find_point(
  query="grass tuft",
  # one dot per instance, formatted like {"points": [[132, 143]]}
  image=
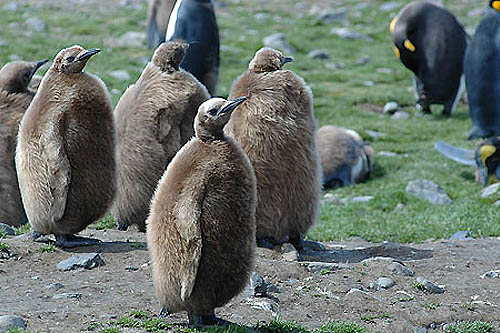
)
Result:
{"points": [[470, 327], [49, 248]]}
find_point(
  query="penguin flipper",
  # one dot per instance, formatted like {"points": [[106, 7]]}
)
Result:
{"points": [[462, 156]]}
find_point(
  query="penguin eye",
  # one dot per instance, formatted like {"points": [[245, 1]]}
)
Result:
{"points": [[212, 112], [70, 59]]}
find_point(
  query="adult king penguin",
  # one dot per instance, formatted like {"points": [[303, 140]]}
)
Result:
{"points": [[482, 75], [15, 98], [201, 230], [65, 152], [193, 21], [431, 43]]}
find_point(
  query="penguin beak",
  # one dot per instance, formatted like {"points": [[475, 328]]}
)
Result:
{"points": [[40, 64], [228, 108], [88, 54], [286, 60]]}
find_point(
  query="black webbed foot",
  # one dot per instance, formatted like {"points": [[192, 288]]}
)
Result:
{"points": [[69, 241], [206, 320]]}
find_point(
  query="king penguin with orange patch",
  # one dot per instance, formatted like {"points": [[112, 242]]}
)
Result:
{"points": [[431, 43], [482, 75]]}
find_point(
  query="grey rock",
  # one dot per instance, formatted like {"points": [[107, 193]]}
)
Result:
{"points": [[387, 153], [428, 190], [363, 60], [391, 107], [365, 198], [400, 115], [131, 268], [429, 286], [335, 66], [263, 305], [357, 295], [419, 330], [129, 39], [318, 54], [261, 16], [329, 16], [368, 83], [3, 42], [490, 190], [11, 6], [400, 269], [384, 70], [7, 229], [85, 260], [67, 296], [399, 206], [36, 24], [491, 274], [497, 203], [382, 283], [346, 33], [54, 286], [258, 286], [120, 74], [475, 12], [389, 6], [375, 134], [461, 235], [9, 322], [318, 267], [278, 41], [14, 57], [289, 253]]}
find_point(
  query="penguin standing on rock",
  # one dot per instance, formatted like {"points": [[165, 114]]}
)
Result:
{"points": [[276, 128], [15, 98], [65, 152], [482, 75], [193, 22], [345, 158], [431, 43], [153, 120], [201, 230]]}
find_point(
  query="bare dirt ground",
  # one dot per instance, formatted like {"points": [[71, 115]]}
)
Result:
{"points": [[310, 295]]}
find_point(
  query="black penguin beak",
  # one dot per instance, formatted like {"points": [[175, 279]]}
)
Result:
{"points": [[88, 54], [40, 64], [232, 105], [286, 60]]}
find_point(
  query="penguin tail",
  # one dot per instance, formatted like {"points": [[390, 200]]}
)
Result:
{"points": [[460, 155]]}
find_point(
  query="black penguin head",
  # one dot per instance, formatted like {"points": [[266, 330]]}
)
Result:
{"points": [[168, 56], [268, 60], [72, 59], [212, 116], [487, 159], [16, 75], [495, 4]]}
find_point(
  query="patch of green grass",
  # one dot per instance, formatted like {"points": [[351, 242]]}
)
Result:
{"points": [[325, 271], [470, 327], [468, 306], [3, 233], [370, 318], [138, 245], [280, 326], [419, 285], [23, 229], [430, 305], [110, 330], [107, 222], [49, 248], [405, 299], [93, 326], [4, 246], [341, 327]]}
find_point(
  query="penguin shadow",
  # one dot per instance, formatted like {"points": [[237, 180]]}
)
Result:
{"points": [[378, 171], [316, 252], [101, 247]]}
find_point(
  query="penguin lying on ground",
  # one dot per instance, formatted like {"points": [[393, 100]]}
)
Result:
{"points": [[201, 230], [276, 128], [193, 21], [65, 152], [15, 98], [153, 119], [486, 158], [482, 75], [345, 158], [431, 43]]}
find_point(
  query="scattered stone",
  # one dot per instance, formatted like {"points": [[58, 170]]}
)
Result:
{"points": [[497, 203], [7, 229], [329, 16], [261, 16], [368, 83], [371, 108], [491, 274], [400, 269], [11, 6], [335, 66], [400, 115], [263, 305], [363, 61], [490, 190], [382, 283], [419, 330], [346, 33], [429, 286], [54, 286], [36, 24], [318, 54], [120, 74], [375, 135], [383, 70], [331, 199], [129, 39], [131, 268], [14, 57], [387, 153], [3, 42], [357, 199], [428, 190], [289, 253], [258, 286], [319, 267], [391, 107], [278, 41], [67, 296], [85, 260], [399, 206], [115, 91], [461, 235], [356, 295], [389, 6], [9, 322], [475, 12]]}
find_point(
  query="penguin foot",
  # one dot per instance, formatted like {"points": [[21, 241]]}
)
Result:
{"points": [[206, 320], [34, 235], [266, 243], [69, 241], [313, 246], [121, 226], [163, 312], [297, 242]]}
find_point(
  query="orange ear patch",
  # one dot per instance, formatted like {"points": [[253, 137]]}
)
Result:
{"points": [[396, 51], [409, 45], [496, 5], [393, 23]]}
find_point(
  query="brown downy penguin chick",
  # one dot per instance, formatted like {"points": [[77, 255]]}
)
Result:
{"points": [[345, 158], [65, 151], [15, 98], [276, 128], [153, 120], [201, 230]]}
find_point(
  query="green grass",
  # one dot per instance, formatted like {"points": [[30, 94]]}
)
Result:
{"points": [[470, 327], [4, 246], [107, 222], [341, 327], [370, 318], [23, 229], [431, 305], [49, 248], [280, 326]]}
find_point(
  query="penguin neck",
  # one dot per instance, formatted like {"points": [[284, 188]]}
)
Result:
{"points": [[210, 136]]}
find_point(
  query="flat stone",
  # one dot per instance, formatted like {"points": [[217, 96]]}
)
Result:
{"points": [[461, 235], [54, 286], [329, 16], [475, 12], [368, 83], [491, 274], [389, 6], [400, 115], [258, 287], [318, 54], [387, 153], [419, 330], [346, 33], [9, 322], [11, 6], [36, 24], [7, 229], [3, 42], [363, 60], [375, 134], [356, 295], [335, 66], [391, 107], [261, 16], [371, 108], [67, 296], [365, 198], [278, 41], [497, 203], [399, 206], [383, 70], [490, 190], [85, 260], [429, 286], [289, 253], [129, 39], [120, 74], [428, 190], [263, 305], [318, 267], [382, 283], [400, 269]]}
